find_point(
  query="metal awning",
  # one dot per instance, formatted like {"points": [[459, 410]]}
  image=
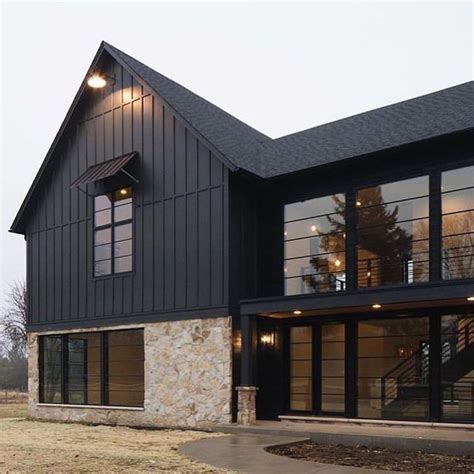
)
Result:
{"points": [[104, 170]]}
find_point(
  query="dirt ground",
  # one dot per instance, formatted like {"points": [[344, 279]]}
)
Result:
{"points": [[376, 458], [32, 446]]}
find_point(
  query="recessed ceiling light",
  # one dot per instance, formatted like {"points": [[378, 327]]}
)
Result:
{"points": [[96, 82], [376, 306], [123, 191], [297, 312], [470, 298]]}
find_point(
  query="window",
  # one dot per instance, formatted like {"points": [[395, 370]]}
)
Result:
{"points": [[457, 367], [113, 232], [393, 368], [333, 368], [100, 368], [458, 223], [315, 245], [51, 373], [126, 368], [393, 233], [301, 363]]}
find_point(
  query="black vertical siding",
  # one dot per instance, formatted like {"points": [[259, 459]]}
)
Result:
{"points": [[180, 214]]}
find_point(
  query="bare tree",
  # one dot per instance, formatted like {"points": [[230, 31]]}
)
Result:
{"points": [[14, 318]]}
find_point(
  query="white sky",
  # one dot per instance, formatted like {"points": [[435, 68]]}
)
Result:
{"points": [[280, 67]]}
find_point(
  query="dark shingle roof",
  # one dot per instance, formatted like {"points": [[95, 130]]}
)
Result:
{"points": [[431, 115], [243, 147], [236, 140], [439, 113]]}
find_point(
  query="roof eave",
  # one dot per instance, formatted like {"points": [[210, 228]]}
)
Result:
{"points": [[17, 226]]}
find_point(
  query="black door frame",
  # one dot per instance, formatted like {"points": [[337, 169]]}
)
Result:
{"points": [[351, 324]]}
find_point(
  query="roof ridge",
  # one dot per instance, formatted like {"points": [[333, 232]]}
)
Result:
{"points": [[383, 107]]}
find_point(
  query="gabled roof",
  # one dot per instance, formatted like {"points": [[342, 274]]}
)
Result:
{"points": [[439, 113], [242, 147], [234, 139]]}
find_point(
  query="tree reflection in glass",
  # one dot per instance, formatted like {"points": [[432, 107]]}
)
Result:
{"points": [[393, 233]]}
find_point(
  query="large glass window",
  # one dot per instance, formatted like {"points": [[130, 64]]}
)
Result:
{"points": [[393, 233], [393, 368], [458, 223], [301, 368], [104, 368], [51, 373], [457, 367], [333, 368], [315, 245], [113, 232], [126, 368], [84, 369]]}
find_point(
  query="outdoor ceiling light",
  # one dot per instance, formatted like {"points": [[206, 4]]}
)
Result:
{"points": [[337, 262], [297, 312], [96, 82], [376, 306], [470, 298], [123, 191]]}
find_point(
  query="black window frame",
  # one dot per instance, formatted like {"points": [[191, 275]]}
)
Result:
{"points": [[435, 216], [104, 368], [112, 226]]}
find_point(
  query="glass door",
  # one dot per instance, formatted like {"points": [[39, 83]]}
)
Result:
{"points": [[317, 369]]}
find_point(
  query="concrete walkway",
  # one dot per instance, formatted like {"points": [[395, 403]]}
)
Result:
{"points": [[431, 440], [245, 453]]}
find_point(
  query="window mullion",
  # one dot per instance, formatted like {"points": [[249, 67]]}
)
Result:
{"points": [[65, 369]]}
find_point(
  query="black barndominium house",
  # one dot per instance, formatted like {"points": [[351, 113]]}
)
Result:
{"points": [[184, 269]]}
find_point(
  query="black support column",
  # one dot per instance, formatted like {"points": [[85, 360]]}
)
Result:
{"points": [[249, 350]]}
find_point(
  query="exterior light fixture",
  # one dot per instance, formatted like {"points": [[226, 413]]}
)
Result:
{"points": [[376, 306], [337, 262], [267, 339], [297, 312], [123, 191], [358, 203], [470, 298], [313, 228], [96, 82]]}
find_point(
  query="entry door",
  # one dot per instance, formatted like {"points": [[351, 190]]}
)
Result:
{"points": [[317, 369]]}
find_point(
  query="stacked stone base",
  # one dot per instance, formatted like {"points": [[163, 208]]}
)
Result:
{"points": [[188, 378]]}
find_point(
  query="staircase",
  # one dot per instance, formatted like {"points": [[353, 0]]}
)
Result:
{"points": [[407, 384]]}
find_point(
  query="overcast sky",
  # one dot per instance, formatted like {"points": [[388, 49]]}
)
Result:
{"points": [[280, 67]]}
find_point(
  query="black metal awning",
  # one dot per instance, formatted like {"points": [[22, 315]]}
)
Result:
{"points": [[104, 170]]}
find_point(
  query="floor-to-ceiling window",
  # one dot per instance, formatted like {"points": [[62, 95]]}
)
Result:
{"points": [[393, 368], [301, 368], [393, 233], [458, 223], [333, 368], [457, 367], [315, 244]]}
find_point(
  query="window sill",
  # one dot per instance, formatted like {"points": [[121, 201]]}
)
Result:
{"points": [[100, 407]]}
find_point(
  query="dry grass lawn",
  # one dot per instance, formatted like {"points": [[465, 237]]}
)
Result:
{"points": [[33, 446], [13, 410]]}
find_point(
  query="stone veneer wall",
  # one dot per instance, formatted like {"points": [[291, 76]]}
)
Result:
{"points": [[188, 378]]}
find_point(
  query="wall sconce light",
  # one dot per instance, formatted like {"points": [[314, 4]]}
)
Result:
{"points": [[267, 339], [97, 81]]}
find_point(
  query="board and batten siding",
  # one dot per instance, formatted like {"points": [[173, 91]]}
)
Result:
{"points": [[180, 216]]}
